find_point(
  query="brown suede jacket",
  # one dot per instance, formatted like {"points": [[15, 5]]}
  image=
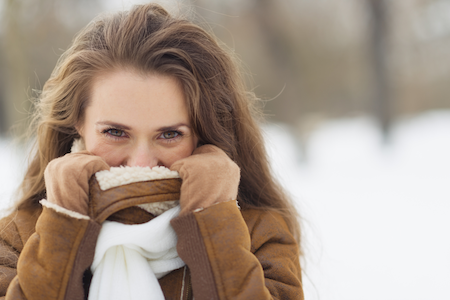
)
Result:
{"points": [[46, 253]]}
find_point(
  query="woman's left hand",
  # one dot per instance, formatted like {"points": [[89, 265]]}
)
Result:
{"points": [[209, 176]]}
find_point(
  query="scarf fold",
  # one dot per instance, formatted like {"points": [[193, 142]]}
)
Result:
{"points": [[129, 259]]}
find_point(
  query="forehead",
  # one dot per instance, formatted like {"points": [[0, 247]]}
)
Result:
{"points": [[133, 97]]}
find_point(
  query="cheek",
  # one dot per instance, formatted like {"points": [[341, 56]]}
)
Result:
{"points": [[111, 154], [172, 155]]}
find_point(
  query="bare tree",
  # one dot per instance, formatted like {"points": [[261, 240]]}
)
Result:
{"points": [[33, 35], [16, 65], [382, 96]]}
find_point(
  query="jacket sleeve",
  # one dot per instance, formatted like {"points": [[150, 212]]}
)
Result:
{"points": [[45, 268], [15, 230], [8, 265], [233, 258]]}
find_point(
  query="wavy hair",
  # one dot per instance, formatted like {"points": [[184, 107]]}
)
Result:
{"points": [[147, 39]]}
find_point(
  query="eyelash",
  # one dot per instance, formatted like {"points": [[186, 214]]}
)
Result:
{"points": [[107, 132], [178, 134]]}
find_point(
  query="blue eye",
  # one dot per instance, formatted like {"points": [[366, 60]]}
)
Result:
{"points": [[170, 134], [116, 132]]}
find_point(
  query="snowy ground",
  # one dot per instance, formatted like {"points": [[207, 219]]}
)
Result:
{"points": [[376, 219], [11, 171]]}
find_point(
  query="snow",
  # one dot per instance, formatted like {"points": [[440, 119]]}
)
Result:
{"points": [[11, 171], [375, 218]]}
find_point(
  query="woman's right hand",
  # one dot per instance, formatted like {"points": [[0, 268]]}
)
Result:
{"points": [[67, 179], [209, 177]]}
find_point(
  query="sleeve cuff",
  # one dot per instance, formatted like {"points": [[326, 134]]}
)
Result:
{"points": [[62, 210]]}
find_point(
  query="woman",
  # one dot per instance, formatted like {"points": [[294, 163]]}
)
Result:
{"points": [[145, 89]]}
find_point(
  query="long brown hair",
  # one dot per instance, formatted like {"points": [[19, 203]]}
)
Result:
{"points": [[147, 39]]}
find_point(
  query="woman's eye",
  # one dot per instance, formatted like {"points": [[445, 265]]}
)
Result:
{"points": [[116, 132], [169, 134]]}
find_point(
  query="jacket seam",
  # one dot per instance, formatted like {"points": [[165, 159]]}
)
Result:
{"points": [[70, 264], [18, 233], [128, 199], [211, 259]]}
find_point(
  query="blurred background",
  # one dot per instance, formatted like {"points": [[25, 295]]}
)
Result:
{"points": [[356, 98]]}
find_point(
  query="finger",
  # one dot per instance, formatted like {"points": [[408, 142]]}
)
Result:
{"points": [[176, 166]]}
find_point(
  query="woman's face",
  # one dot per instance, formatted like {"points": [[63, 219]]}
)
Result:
{"points": [[137, 120]]}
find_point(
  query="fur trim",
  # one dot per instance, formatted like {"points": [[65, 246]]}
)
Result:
{"points": [[78, 145], [117, 176], [62, 210], [158, 208]]}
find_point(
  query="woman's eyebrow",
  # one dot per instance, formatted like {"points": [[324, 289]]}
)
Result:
{"points": [[172, 127], [113, 124]]}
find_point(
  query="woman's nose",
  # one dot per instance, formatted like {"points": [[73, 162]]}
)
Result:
{"points": [[143, 156]]}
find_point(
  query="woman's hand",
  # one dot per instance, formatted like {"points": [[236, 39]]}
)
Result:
{"points": [[209, 176], [67, 179]]}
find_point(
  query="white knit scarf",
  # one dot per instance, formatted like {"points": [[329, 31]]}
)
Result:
{"points": [[129, 259]]}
